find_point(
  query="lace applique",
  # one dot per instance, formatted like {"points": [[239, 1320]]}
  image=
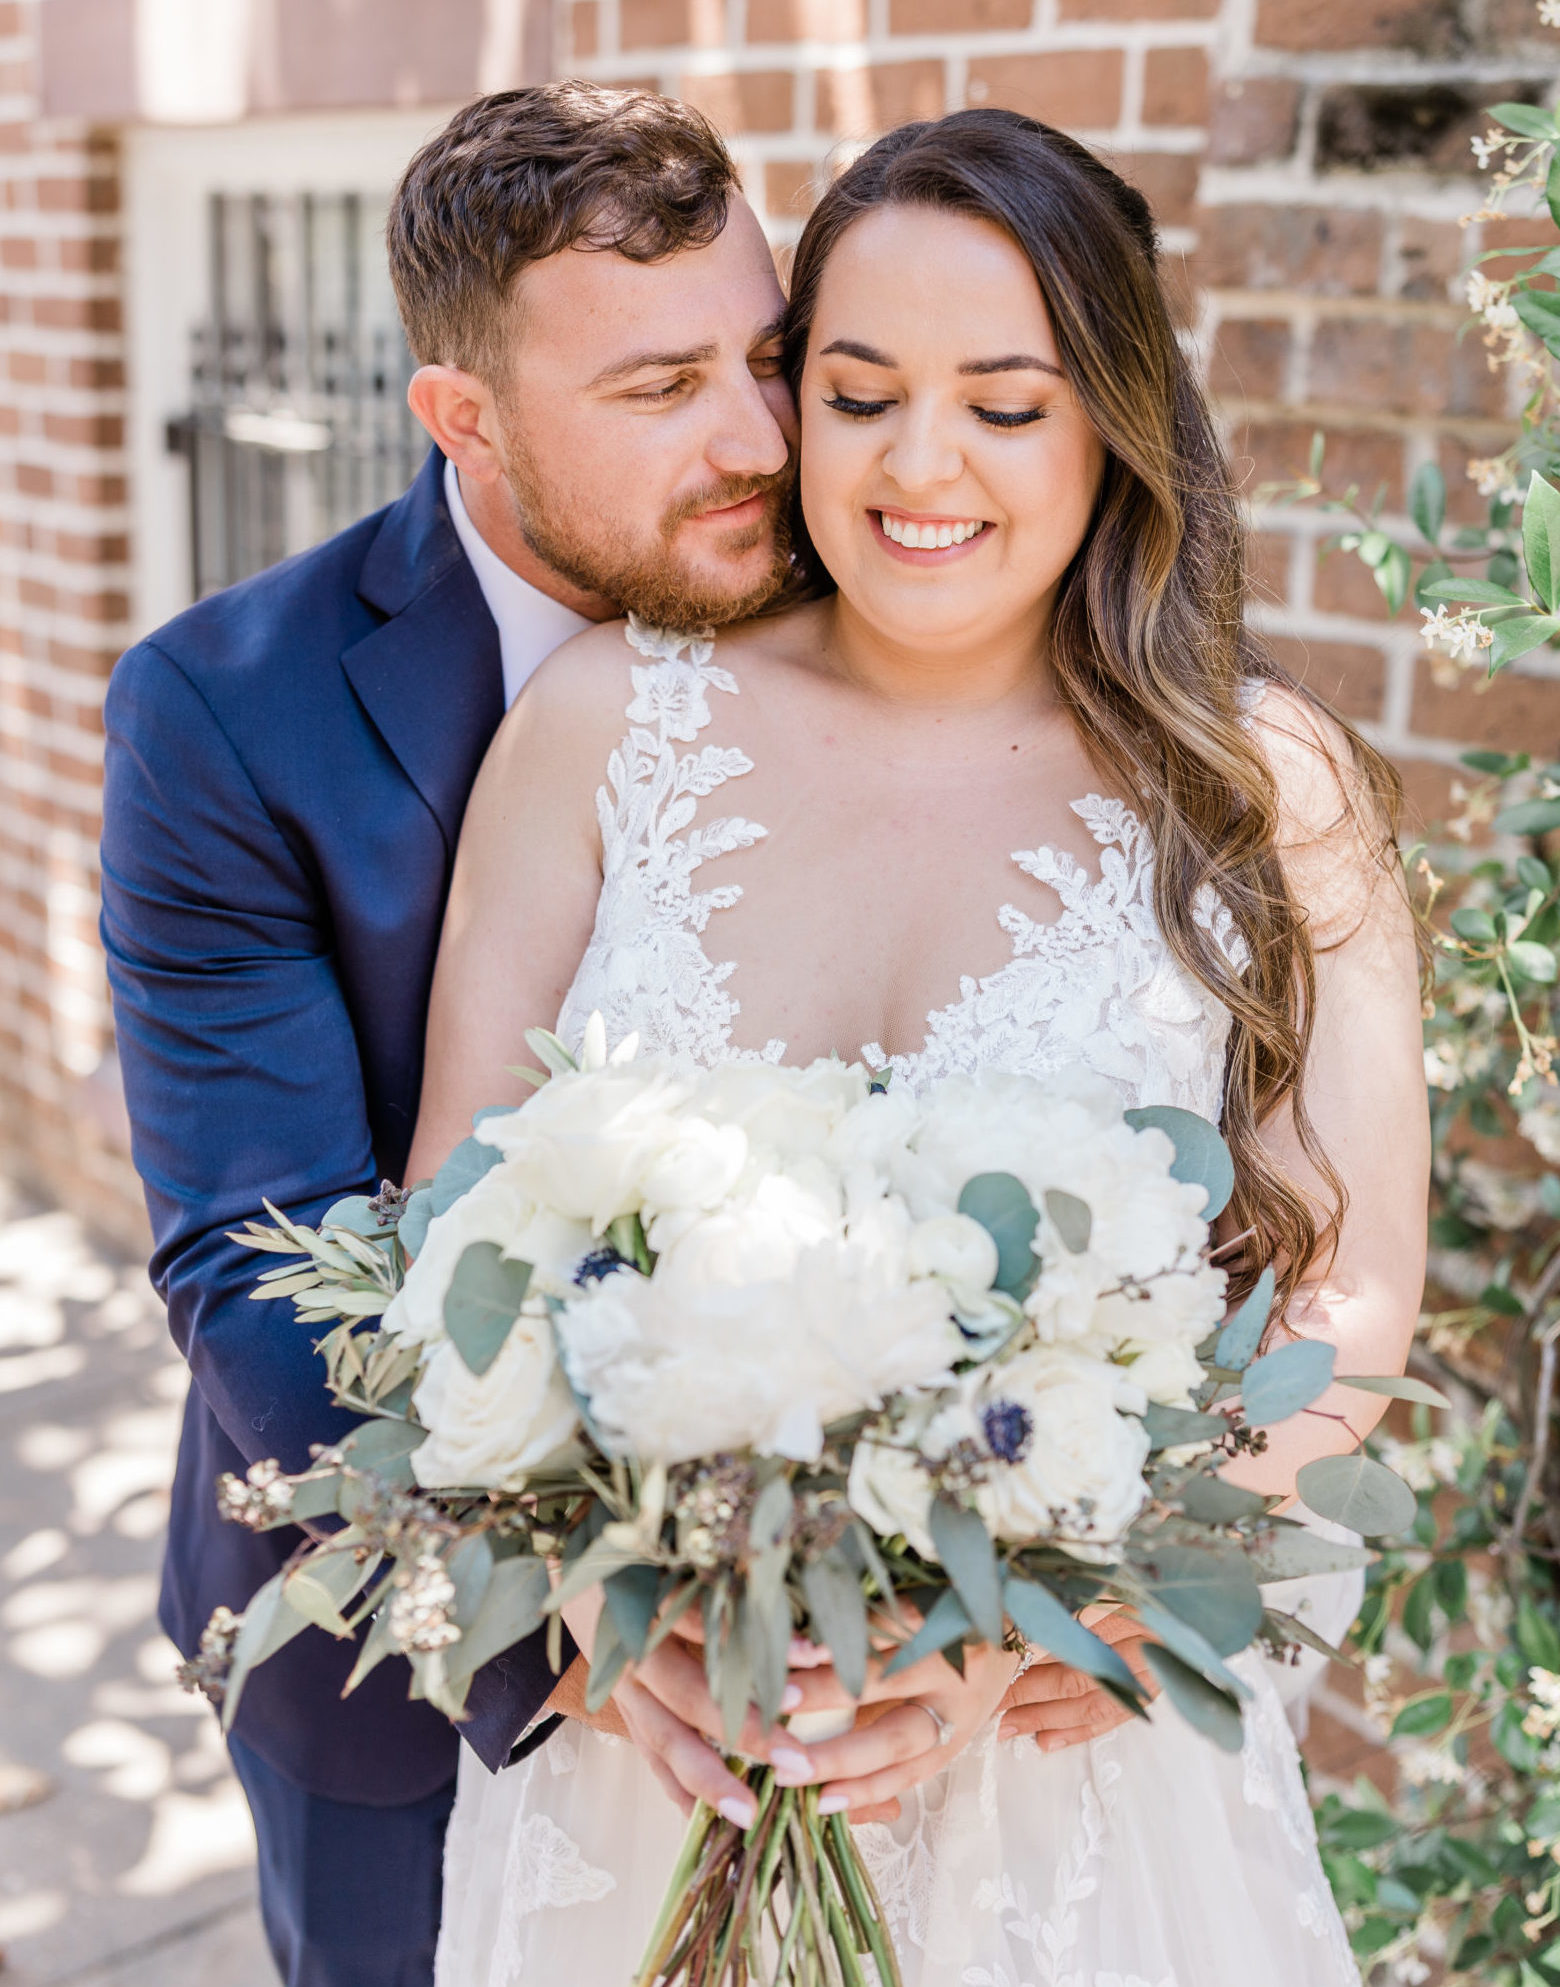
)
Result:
{"points": [[645, 968], [1097, 985], [544, 1868], [903, 1872]]}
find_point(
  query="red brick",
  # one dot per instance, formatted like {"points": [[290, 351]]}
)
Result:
{"points": [[957, 16], [585, 29], [806, 20], [13, 17], [1427, 27], [1253, 121], [18, 252], [105, 374], [77, 313], [788, 189], [1516, 714], [665, 23], [1139, 10], [85, 430], [754, 100], [1278, 452], [859, 103], [1408, 368], [1433, 255], [98, 255], [1175, 86], [1331, 251], [1427, 797], [1343, 586], [1169, 182], [86, 195], [1072, 87], [1250, 358], [1347, 675], [32, 480], [1464, 505]]}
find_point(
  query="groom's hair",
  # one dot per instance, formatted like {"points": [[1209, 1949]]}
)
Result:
{"points": [[516, 177]]}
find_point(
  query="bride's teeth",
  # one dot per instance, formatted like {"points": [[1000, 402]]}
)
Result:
{"points": [[944, 534], [928, 537]]}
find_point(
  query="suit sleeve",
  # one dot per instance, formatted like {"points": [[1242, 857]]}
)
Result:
{"points": [[240, 1065]]}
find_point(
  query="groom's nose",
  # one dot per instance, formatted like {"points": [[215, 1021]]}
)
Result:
{"points": [[753, 426]]}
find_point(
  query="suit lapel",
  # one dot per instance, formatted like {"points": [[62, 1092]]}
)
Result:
{"points": [[431, 679]]}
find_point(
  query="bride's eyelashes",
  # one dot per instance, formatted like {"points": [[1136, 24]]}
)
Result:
{"points": [[993, 417]]}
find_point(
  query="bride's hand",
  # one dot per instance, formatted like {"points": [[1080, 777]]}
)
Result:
{"points": [[672, 1719], [1061, 1707], [925, 1717]]}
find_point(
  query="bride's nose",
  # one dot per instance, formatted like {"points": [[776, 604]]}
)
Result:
{"points": [[921, 454]]}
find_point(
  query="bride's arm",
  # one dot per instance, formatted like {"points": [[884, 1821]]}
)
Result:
{"points": [[523, 895], [1364, 1089]]}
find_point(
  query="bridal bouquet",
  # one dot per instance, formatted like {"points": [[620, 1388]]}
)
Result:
{"points": [[812, 1357]]}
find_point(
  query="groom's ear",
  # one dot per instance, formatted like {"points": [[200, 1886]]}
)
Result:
{"points": [[458, 411]]}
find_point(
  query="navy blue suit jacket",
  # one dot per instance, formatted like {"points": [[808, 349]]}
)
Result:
{"points": [[287, 767]]}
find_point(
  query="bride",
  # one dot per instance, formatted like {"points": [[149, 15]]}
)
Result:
{"points": [[1006, 784]]}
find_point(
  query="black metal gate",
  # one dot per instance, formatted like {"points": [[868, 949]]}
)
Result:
{"points": [[298, 423]]}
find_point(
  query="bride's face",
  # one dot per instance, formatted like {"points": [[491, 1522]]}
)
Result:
{"points": [[948, 474]]}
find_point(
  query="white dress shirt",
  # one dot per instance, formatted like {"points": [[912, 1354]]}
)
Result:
{"points": [[530, 624]]}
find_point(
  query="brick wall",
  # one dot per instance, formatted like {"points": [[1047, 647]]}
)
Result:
{"points": [[64, 549], [1309, 163]]}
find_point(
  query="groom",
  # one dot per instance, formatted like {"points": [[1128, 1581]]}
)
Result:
{"points": [[595, 312]]}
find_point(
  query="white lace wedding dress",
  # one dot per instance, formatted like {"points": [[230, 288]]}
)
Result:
{"points": [[1145, 1859]]}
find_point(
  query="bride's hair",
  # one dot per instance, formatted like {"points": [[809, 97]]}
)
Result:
{"points": [[1149, 647]]}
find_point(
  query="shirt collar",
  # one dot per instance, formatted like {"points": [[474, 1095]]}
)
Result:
{"points": [[531, 624]]}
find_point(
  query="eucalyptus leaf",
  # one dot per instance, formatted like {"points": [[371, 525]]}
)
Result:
{"points": [[1285, 1381], [1396, 1387], [1283, 1627], [1194, 1649], [320, 1588], [838, 1614], [1358, 1492], [1291, 1552], [735, 1687], [547, 1049], [608, 1660], [1242, 1335], [470, 1568], [511, 1611], [1209, 1586], [1210, 1500], [964, 1547], [270, 1622], [415, 1216], [1205, 1707], [467, 1164], [1200, 1154], [483, 1302], [1002, 1206], [771, 1514], [381, 1444], [1169, 1427], [764, 1622], [946, 1621], [1072, 1218], [631, 1594], [1043, 1620], [315, 1497], [377, 1644], [598, 1562], [356, 1214]]}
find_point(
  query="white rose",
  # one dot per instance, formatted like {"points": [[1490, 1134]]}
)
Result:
{"points": [[697, 1168], [1077, 1469], [787, 1113], [489, 1430], [955, 1249], [1168, 1371], [891, 1489], [497, 1210], [586, 1141]]}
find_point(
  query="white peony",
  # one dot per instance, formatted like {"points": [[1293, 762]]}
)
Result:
{"points": [[1077, 1476], [891, 1488], [1168, 1371], [787, 1113], [587, 1141], [488, 1431], [956, 1250], [684, 1365]]}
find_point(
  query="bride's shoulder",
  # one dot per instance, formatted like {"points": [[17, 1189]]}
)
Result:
{"points": [[570, 713]]}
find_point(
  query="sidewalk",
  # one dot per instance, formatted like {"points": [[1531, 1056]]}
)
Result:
{"points": [[135, 1867]]}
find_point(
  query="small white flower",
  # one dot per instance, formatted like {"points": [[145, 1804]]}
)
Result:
{"points": [[1457, 635]]}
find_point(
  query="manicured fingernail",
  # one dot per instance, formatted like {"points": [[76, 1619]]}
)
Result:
{"points": [[1050, 1742], [833, 1804], [791, 1700], [792, 1768], [739, 1813]]}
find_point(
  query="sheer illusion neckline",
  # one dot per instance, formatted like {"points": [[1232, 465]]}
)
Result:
{"points": [[648, 956]]}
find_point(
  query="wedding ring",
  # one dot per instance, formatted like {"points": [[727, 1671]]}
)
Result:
{"points": [[941, 1723]]}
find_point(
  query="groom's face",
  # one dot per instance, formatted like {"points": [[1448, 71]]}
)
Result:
{"points": [[648, 434]]}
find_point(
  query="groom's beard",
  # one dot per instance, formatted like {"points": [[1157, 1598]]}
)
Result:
{"points": [[653, 580]]}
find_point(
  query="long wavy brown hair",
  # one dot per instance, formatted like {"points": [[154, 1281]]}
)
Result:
{"points": [[1150, 651]]}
